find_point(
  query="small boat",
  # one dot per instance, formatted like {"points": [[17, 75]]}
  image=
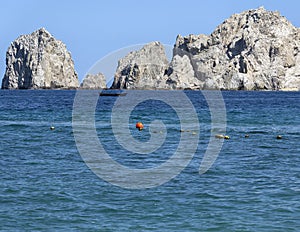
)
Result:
{"points": [[112, 92]]}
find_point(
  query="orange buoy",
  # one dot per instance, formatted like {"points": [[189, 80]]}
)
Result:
{"points": [[139, 125]]}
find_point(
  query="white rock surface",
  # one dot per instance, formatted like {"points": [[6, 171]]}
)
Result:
{"points": [[94, 81], [142, 69], [254, 50], [39, 61]]}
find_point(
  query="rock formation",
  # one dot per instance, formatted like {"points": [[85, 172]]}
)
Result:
{"points": [[142, 69], [92, 81], [39, 61], [253, 50]]}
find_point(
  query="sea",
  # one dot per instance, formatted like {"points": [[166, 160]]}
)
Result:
{"points": [[109, 176]]}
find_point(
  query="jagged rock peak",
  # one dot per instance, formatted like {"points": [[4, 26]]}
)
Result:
{"points": [[39, 61], [253, 50], [256, 49], [267, 23], [141, 69], [94, 81]]}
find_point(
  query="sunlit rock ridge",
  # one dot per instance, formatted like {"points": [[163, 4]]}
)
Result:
{"points": [[39, 61], [142, 69], [93, 81], [254, 50]]}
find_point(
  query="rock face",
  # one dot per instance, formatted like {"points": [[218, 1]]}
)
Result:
{"points": [[253, 50], [39, 61], [92, 81], [142, 69]]}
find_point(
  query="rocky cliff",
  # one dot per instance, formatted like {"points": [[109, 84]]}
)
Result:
{"points": [[94, 81], [142, 69], [254, 50], [39, 61]]}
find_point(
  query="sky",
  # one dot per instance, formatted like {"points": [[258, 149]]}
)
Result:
{"points": [[93, 29]]}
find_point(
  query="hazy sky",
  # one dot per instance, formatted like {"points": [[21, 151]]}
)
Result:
{"points": [[92, 29]]}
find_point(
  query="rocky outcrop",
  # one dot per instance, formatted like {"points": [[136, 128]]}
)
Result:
{"points": [[142, 69], [253, 50], [94, 81], [38, 61], [180, 74]]}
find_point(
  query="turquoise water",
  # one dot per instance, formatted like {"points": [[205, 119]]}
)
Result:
{"points": [[254, 185]]}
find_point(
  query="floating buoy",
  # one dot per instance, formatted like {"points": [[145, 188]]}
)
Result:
{"points": [[219, 136], [139, 125], [52, 127], [278, 137]]}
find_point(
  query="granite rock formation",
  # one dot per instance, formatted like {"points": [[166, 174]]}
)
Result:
{"points": [[254, 50], [39, 61], [142, 69], [94, 81]]}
